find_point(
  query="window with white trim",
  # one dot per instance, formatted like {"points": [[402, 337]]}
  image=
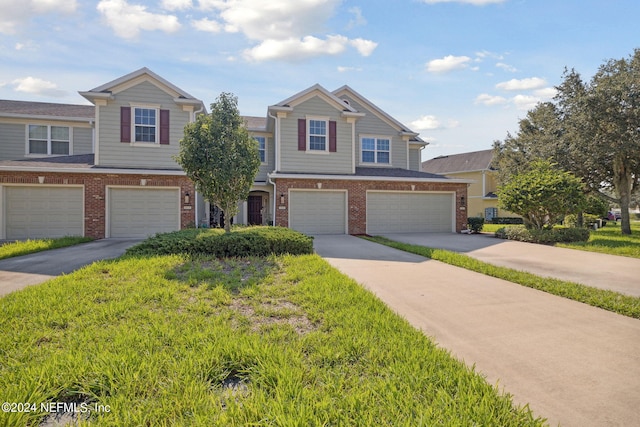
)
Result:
{"points": [[262, 148], [49, 140], [317, 135], [145, 125], [375, 150]]}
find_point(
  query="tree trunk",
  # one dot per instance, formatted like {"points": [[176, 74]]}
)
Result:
{"points": [[622, 183]]}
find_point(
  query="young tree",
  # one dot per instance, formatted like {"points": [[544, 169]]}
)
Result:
{"points": [[219, 156], [543, 195]]}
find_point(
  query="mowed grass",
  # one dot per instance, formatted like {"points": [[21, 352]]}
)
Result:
{"points": [[608, 300], [279, 341], [12, 249], [609, 240]]}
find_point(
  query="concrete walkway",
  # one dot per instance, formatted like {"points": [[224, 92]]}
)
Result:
{"points": [[616, 273], [19, 272], [574, 364]]}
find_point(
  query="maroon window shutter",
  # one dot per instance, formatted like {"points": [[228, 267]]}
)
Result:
{"points": [[302, 135], [164, 127], [333, 139], [125, 124]]}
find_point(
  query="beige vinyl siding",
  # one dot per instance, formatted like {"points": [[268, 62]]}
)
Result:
{"points": [[293, 160], [414, 159], [114, 153], [82, 140], [372, 125], [12, 141]]}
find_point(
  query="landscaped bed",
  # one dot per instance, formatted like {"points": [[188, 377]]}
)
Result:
{"points": [[196, 340]]}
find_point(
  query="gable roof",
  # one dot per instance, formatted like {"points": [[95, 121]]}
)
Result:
{"points": [[316, 89], [107, 90], [464, 162], [46, 110], [378, 112]]}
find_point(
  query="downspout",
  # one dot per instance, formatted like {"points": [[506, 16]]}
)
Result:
{"points": [[276, 142]]}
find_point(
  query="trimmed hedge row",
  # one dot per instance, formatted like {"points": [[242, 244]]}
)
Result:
{"points": [[555, 235], [241, 242], [506, 220]]}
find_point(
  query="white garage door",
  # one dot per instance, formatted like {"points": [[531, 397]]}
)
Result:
{"points": [[33, 212], [318, 212], [395, 212], [142, 212]]}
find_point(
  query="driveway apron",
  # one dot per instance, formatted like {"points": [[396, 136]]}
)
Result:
{"points": [[19, 272], [572, 363], [616, 273]]}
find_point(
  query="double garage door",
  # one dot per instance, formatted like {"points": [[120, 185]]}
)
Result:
{"points": [[44, 211], [325, 212]]}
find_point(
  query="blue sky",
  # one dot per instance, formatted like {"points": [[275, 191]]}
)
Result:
{"points": [[460, 72]]}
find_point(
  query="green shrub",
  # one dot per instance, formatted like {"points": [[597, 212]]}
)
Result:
{"points": [[555, 235], [587, 220], [506, 220], [475, 224], [241, 242]]}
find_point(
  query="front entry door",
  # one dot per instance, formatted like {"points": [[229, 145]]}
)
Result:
{"points": [[254, 206]]}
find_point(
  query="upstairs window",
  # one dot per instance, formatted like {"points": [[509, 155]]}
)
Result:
{"points": [[318, 135], [262, 148], [375, 150], [145, 125], [49, 140]]}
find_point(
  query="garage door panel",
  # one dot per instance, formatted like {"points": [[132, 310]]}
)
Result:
{"points": [[35, 212], [389, 212], [139, 213], [318, 212]]}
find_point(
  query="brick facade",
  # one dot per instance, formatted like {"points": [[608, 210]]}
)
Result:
{"points": [[357, 197], [95, 192]]}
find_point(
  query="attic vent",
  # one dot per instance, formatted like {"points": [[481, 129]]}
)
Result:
{"points": [[346, 101]]}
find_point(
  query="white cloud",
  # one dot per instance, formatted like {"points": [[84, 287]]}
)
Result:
{"points": [[448, 63], [37, 86], [523, 84], [473, 2], [206, 25], [342, 69], [15, 13], [358, 19], [525, 102], [546, 93], [506, 67], [176, 4], [284, 29], [428, 122], [487, 99], [127, 20]]}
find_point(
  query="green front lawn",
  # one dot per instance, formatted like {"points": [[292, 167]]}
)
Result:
{"points": [[8, 250], [288, 340], [609, 240]]}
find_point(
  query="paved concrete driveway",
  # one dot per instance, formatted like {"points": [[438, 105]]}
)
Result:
{"points": [[574, 364], [18, 272], [617, 273]]}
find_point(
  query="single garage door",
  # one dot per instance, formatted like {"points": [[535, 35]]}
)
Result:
{"points": [[396, 212], [142, 212], [318, 212], [34, 212]]}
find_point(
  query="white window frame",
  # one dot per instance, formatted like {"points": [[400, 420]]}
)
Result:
{"points": [[326, 135], [375, 149], [156, 127], [49, 140], [263, 150]]}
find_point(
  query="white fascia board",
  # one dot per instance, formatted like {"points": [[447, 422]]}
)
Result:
{"points": [[92, 96], [95, 171], [370, 178], [56, 118]]}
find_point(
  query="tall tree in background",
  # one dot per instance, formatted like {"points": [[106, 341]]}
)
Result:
{"points": [[592, 130], [220, 157]]}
